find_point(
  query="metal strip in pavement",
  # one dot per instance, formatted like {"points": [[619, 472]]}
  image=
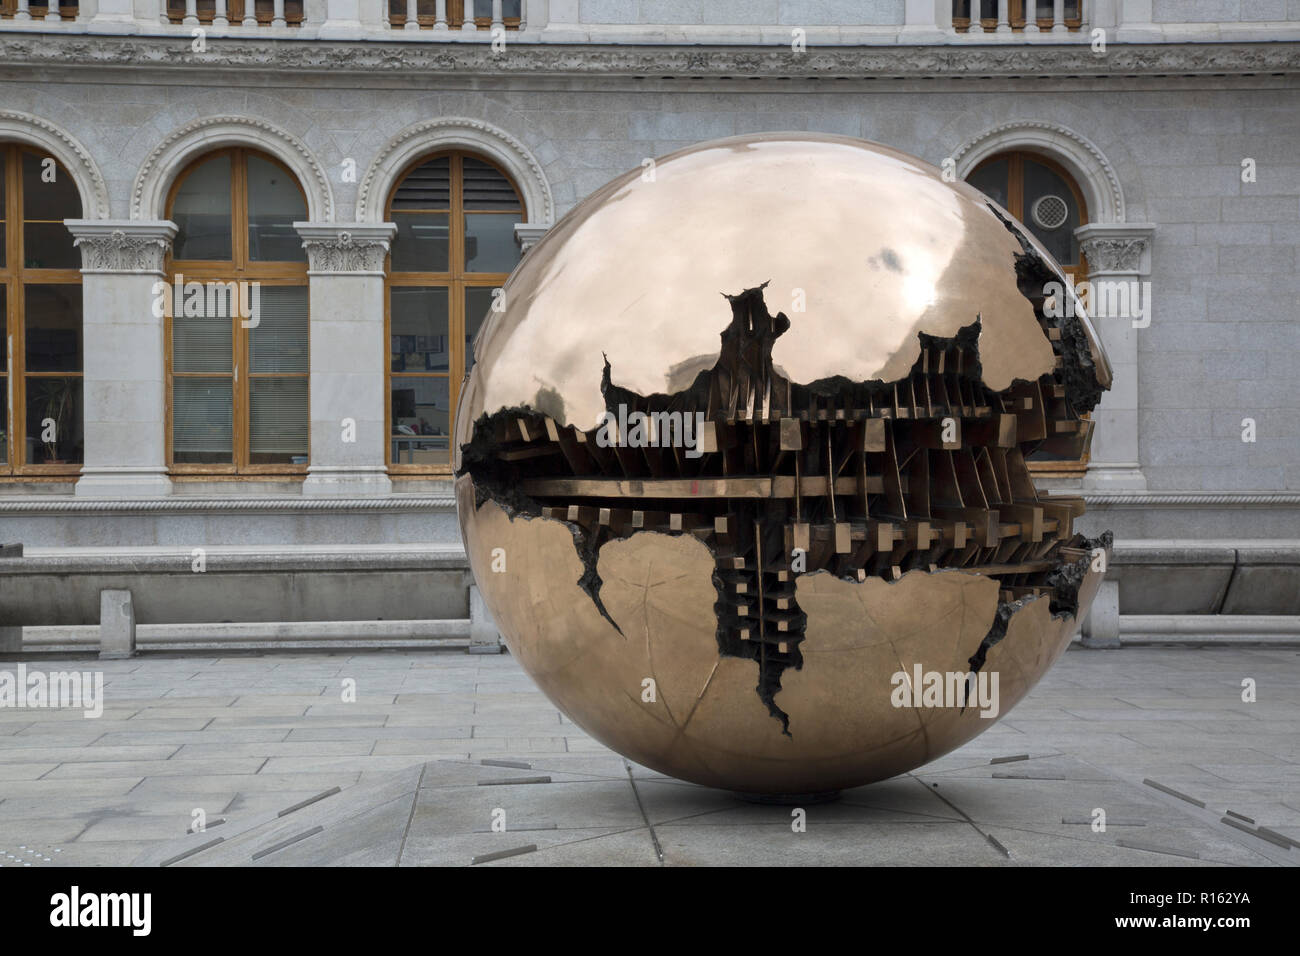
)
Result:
{"points": [[1255, 833], [1174, 793], [1087, 821], [1280, 836], [1154, 848], [308, 802], [191, 851], [289, 842], [654, 837], [1028, 776], [502, 854]]}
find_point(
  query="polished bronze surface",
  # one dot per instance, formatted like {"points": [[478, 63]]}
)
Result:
{"points": [[732, 538]]}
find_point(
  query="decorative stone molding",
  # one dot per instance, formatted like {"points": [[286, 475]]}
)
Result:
{"points": [[1114, 255], [169, 157], [63, 146], [1185, 499], [460, 133], [528, 234], [1117, 248], [121, 245], [963, 58], [1094, 172], [352, 248]]}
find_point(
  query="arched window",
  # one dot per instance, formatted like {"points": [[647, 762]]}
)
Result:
{"points": [[40, 299], [1044, 197], [455, 243], [237, 326]]}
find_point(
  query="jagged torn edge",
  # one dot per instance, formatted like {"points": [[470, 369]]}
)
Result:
{"points": [[1031, 268], [1065, 582]]}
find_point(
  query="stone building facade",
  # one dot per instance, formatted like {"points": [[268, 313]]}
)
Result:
{"points": [[1174, 123]]}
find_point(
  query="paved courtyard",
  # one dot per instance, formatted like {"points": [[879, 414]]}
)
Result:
{"points": [[438, 745]]}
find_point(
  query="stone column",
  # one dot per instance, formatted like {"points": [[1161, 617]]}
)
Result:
{"points": [[124, 348], [348, 352], [1031, 17], [1058, 17], [1119, 260]]}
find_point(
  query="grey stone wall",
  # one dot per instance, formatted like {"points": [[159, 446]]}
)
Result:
{"points": [[1224, 342], [1223, 11]]}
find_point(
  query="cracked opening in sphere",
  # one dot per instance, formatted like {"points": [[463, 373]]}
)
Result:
{"points": [[856, 479]]}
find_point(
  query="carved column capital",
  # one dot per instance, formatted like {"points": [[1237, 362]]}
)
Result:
{"points": [[122, 246], [1116, 248], [346, 248]]}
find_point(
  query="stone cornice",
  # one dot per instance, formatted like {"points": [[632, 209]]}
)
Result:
{"points": [[525, 59], [121, 246]]}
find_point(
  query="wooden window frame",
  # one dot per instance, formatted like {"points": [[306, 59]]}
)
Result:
{"points": [[15, 276], [9, 8], [455, 281], [237, 268], [1077, 271]]}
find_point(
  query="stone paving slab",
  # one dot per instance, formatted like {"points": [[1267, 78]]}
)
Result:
{"points": [[244, 737]]}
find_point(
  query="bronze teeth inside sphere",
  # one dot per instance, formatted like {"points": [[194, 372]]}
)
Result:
{"points": [[741, 465]]}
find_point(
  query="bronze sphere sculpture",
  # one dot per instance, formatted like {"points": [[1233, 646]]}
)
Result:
{"points": [[741, 463]]}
